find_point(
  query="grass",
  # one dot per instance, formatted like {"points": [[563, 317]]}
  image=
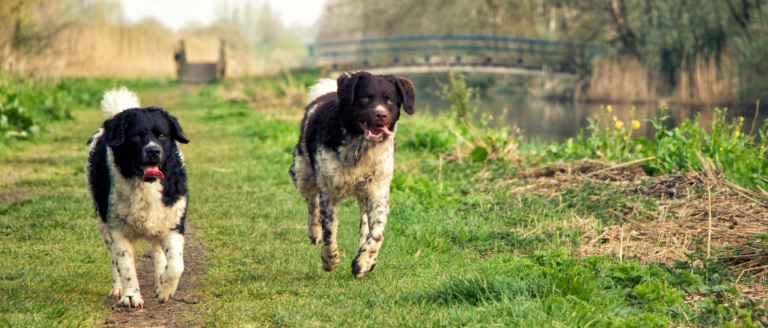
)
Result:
{"points": [[458, 251]]}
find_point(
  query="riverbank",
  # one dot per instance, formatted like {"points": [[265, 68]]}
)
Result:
{"points": [[471, 239]]}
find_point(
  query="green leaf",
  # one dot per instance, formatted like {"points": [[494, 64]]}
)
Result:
{"points": [[478, 154]]}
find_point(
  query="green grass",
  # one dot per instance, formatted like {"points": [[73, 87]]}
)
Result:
{"points": [[457, 251]]}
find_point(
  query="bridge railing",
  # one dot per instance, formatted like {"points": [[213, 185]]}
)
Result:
{"points": [[467, 44]]}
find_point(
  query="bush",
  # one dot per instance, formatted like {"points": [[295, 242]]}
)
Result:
{"points": [[674, 149], [28, 105]]}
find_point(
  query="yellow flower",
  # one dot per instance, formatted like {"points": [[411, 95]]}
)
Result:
{"points": [[762, 147], [490, 117], [619, 124], [635, 124], [741, 119], [721, 148], [607, 128], [614, 118], [625, 138], [609, 109], [736, 133]]}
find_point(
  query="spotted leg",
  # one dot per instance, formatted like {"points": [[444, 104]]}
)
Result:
{"points": [[122, 250], [362, 202], [377, 208], [117, 286], [329, 214], [314, 224], [173, 245], [158, 256]]}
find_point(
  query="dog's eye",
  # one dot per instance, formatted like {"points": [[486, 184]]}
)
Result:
{"points": [[366, 99], [136, 137], [389, 102], [161, 137]]}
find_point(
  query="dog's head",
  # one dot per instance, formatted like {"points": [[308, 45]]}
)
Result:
{"points": [[141, 140], [371, 103]]}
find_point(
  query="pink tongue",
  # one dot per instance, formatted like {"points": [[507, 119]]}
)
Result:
{"points": [[380, 129], [152, 171]]}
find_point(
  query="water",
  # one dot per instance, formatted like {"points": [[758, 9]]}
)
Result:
{"points": [[550, 120]]}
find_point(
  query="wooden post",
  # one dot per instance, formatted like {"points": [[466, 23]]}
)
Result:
{"points": [[181, 59], [221, 66]]}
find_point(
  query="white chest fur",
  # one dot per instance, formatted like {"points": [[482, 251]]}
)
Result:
{"points": [[357, 166], [137, 208]]}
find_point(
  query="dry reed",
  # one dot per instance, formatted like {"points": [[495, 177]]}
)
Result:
{"points": [[625, 79], [127, 51], [682, 216]]}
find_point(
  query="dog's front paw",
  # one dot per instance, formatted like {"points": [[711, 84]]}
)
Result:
{"points": [[166, 290], [116, 291], [363, 264], [330, 260], [315, 234], [131, 300]]}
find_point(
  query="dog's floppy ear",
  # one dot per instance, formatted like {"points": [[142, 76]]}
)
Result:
{"points": [[346, 87], [177, 133], [405, 89], [113, 129]]}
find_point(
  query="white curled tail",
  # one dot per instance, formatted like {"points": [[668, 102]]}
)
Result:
{"points": [[118, 100], [322, 87]]}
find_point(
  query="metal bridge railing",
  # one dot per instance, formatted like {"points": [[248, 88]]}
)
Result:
{"points": [[453, 42]]}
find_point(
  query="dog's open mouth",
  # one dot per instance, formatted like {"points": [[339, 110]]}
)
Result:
{"points": [[151, 171], [374, 132]]}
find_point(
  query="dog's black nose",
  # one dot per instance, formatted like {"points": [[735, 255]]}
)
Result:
{"points": [[381, 116], [153, 151]]}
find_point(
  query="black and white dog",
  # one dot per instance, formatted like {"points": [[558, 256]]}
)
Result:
{"points": [[136, 176], [347, 148]]}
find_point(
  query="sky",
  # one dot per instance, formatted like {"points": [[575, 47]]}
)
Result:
{"points": [[177, 13]]}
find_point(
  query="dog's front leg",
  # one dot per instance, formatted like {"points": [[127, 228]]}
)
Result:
{"points": [[117, 284], [329, 214], [362, 202], [378, 208], [122, 250], [314, 224], [173, 245]]}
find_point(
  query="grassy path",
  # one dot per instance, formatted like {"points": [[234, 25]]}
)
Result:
{"points": [[458, 251]]}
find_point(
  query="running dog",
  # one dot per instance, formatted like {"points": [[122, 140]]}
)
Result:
{"points": [[347, 149]]}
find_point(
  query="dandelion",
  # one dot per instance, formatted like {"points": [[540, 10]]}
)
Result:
{"points": [[721, 148], [737, 133], [625, 138], [490, 117], [619, 124], [607, 128], [614, 118], [762, 147], [635, 124], [741, 119], [609, 110]]}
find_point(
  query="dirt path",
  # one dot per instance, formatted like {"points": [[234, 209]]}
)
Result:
{"points": [[177, 312]]}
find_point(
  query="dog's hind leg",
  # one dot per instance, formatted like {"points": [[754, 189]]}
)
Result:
{"points": [[122, 250], [378, 208], [314, 224], [329, 213], [117, 286], [158, 256], [173, 245]]}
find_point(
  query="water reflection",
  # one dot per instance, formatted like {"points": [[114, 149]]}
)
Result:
{"points": [[547, 120]]}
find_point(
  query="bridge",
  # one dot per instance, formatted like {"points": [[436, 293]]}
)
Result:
{"points": [[471, 53]]}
